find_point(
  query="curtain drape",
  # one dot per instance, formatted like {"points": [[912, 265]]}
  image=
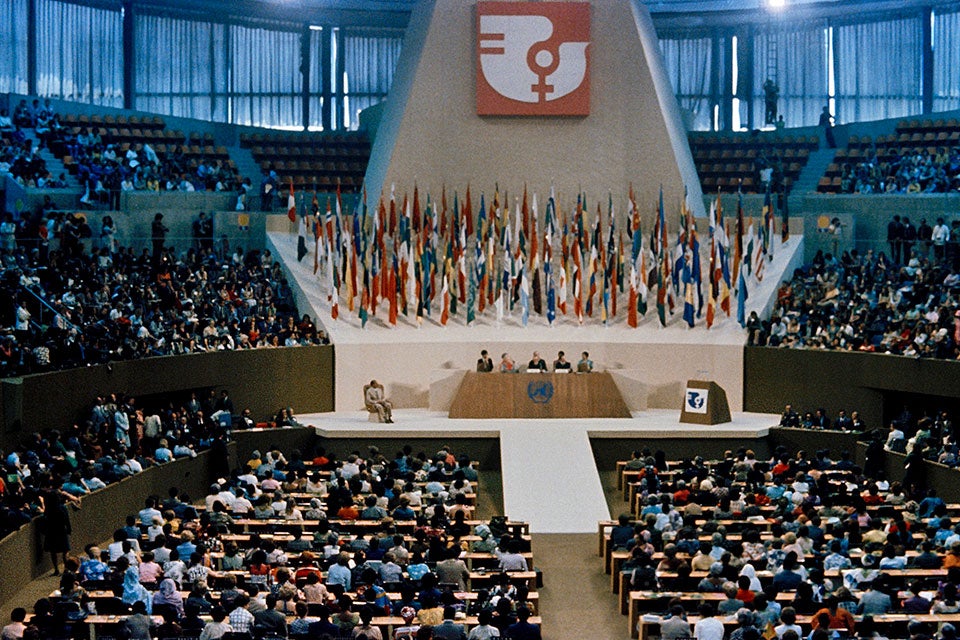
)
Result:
{"points": [[799, 58], [13, 46], [180, 68], [265, 77], [79, 53], [946, 62], [688, 62], [878, 69], [369, 63]]}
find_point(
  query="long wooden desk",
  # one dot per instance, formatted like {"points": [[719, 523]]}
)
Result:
{"points": [[538, 395]]}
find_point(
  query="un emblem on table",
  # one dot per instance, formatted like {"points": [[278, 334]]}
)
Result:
{"points": [[540, 391]]}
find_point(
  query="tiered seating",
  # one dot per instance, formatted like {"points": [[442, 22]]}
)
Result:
{"points": [[727, 161], [644, 606], [250, 534], [911, 137], [312, 160], [126, 132]]}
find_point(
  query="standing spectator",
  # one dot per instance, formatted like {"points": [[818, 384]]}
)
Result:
{"points": [[158, 233], [771, 93], [894, 237], [826, 121], [56, 529], [909, 238], [925, 238], [940, 236]]}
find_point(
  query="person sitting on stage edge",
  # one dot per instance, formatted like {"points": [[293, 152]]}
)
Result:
{"points": [[507, 365], [561, 363], [586, 364], [375, 400], [485, 363], [537, 363]]}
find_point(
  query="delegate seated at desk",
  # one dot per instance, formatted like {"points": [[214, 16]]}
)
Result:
{"points": [[507, 365], [485, 363], [561, 363], [586, 364], [537, 363]]}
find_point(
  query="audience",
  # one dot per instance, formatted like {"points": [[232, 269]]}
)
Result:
{"points": [[119, 305]]}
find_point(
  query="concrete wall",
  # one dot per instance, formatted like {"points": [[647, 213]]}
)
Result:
{"points": [[634, 132], [262, 379], [102, 512], [839, 380], [648, 375]]}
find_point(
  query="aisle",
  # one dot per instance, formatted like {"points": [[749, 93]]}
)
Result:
{"points": [[575, 599], [549, 476]]}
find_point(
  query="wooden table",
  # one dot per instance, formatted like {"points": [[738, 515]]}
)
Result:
{"points": [[538, 395]]}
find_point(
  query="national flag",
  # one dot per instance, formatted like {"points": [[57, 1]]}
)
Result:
{"points": [[742, 297], [392, 225], [317, 232], [766, 226], [535, 285], [292, 204], [738, 241], [364, 297], [749, 249], [663, 271], [689, 304], [479, 284], [302, 239], [576, 279], [713, 281], [759, 262], [445, 295], [695, 268], [416, 209], [392, 285], [524, 294]]}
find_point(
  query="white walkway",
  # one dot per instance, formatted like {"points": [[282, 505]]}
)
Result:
{"points": [[549, 475]]}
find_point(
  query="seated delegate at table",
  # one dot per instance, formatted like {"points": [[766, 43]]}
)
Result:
{"points": [[507, 365], [484, 363], [586, 364], [537, 363], [561, 363]]}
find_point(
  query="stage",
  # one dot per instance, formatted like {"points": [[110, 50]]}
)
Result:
{"points": [[650, 363], [550, 477]]}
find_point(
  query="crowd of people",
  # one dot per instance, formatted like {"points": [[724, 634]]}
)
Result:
{"points": [[866, 302], [175, 544], [105, 169], [536, 364], [114, 439], [914, 171], [838, 532], [76, 300]]}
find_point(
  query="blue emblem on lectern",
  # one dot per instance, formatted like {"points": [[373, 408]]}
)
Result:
{"points": [[695, 400], [540, 391]]}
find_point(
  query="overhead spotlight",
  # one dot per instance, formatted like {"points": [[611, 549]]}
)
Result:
{"points": [[776, 4]]}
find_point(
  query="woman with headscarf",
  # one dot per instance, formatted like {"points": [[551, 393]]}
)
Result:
{"points": [[749, 571], [133, 591], [168, 594]]}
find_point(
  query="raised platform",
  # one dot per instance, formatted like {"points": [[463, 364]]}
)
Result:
{"points": [[650, 364], [549, 475]]}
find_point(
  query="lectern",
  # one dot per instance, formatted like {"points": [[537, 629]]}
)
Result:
{"points": [[704, 402]]}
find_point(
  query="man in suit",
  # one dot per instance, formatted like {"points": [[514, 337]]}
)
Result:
{"points": [[375, 400], [448, 629], [485, 363], [537, 362]]}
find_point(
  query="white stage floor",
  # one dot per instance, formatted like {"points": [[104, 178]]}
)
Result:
{"points": [[550, 478]]}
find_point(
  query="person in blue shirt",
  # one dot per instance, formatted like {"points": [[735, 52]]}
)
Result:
{"points": [[92, 567], [522, 629], [339, 572], [74, 485]]}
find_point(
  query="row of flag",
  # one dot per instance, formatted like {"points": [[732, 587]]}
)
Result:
{"points": [[421, 256]]}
